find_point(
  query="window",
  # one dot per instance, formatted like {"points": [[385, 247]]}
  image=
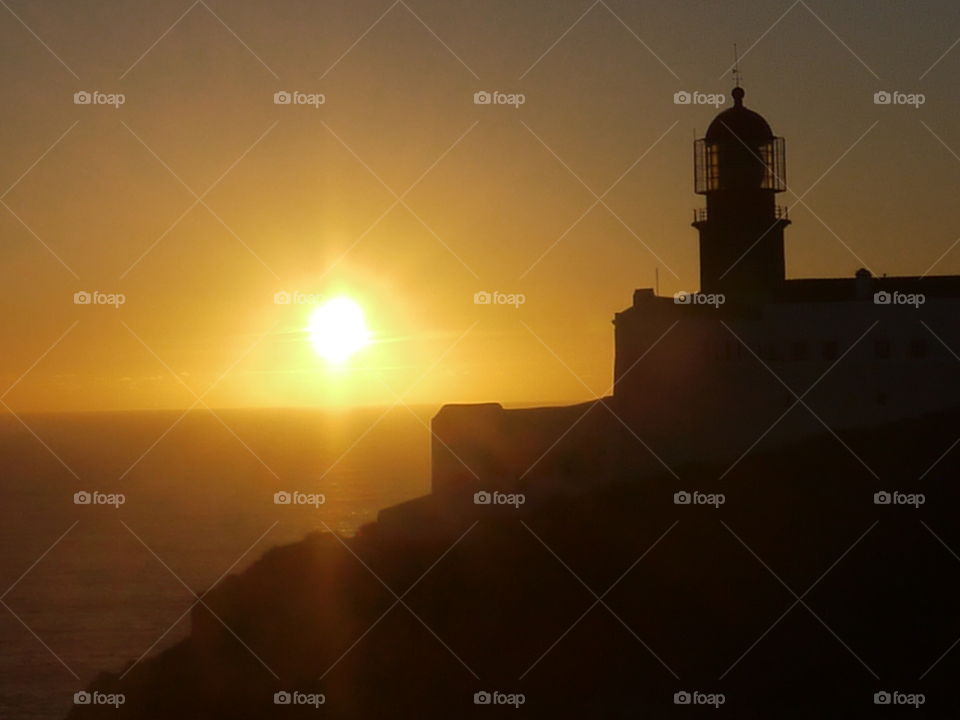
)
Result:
{"points": [[830, 350], [918, 348], [881, 348], [713, 167]]}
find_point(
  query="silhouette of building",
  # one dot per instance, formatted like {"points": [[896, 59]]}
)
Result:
{"points": [[753, 358], [740, 166]]}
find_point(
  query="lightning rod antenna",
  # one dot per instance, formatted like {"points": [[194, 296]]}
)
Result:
{"points": [[736, 66]]}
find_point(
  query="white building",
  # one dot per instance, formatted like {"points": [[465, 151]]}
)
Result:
{"points": [[705, 377]]}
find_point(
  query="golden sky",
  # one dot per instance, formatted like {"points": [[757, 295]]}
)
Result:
{"points": [[199, 197]]}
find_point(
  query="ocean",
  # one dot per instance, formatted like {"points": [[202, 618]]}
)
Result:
{"points": [[110, 520]]}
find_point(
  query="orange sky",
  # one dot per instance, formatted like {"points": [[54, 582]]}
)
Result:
{"points": [[492, 198]]}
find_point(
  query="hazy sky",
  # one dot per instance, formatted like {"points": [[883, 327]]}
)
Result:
{"points": [[305, 198]]}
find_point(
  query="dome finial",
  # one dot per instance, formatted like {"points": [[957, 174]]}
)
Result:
{"points": [[738, 96]]}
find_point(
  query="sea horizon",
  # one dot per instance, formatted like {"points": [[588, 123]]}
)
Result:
{"points": [[110, 584]]}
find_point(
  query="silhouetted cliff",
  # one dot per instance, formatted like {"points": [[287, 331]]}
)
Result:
{"points": [[688, 593]]}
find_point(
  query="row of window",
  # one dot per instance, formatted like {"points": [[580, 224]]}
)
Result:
{"points": [[828, 350]]}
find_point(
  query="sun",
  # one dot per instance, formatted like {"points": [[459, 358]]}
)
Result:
{"points": [[337, 329]]}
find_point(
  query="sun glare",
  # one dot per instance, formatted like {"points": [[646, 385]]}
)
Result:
{"points": [[337, 329]]}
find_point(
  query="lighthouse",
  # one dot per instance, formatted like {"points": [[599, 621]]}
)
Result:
{"points": [[740, 166], [696, 384]]}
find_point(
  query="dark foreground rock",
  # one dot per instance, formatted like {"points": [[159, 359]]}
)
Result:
{"points": [[799, 597]]}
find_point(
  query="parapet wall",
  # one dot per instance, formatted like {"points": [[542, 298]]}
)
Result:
{"points": [[485, 446]]}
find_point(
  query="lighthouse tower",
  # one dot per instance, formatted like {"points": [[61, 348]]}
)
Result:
{"points": [[740, 166]]}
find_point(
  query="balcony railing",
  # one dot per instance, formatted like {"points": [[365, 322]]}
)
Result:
{"points": [[780, 212]]}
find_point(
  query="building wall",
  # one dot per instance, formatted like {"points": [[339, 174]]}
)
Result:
{"points": [[488, 447], [688, 390], [707, 396]]}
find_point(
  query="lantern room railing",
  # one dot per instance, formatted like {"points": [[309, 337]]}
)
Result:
{"points": [[780, 212]]}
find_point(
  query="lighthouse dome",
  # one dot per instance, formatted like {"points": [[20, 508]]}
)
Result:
{"points": [[738, 124]]}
